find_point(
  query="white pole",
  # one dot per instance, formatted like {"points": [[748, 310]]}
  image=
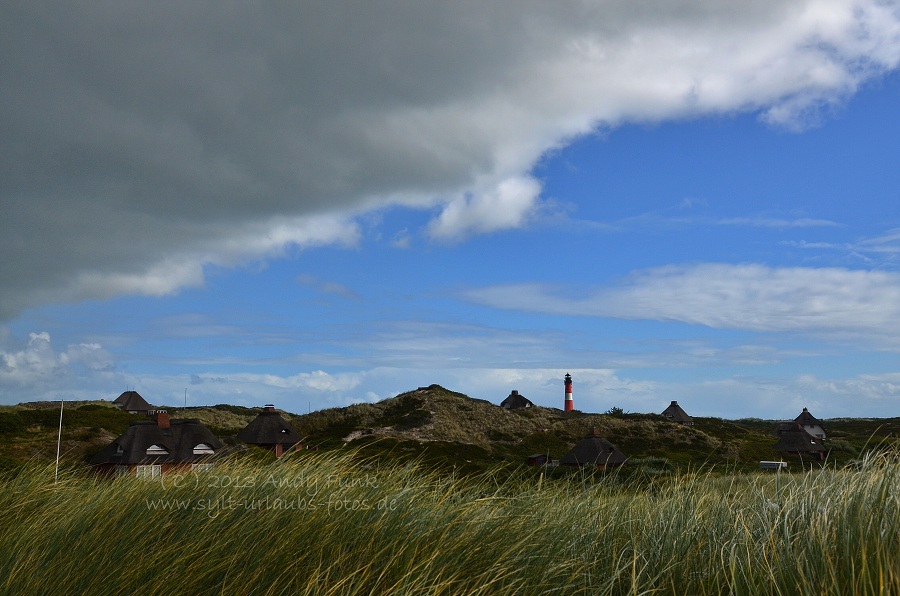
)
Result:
{"points": [[58, 441]]}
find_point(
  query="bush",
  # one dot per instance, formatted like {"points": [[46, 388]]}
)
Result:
{"points": [[11, 423]]}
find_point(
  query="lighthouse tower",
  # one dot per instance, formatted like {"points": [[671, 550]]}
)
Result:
{"points": [[570, 405]]}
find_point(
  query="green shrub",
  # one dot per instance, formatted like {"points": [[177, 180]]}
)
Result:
{"points": [[11, 423]]}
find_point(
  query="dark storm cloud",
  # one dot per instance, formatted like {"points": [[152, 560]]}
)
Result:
{"points": [[140, 141]]}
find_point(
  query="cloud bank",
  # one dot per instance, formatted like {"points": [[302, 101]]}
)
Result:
{"points": [[142, 142], [832, 301]]}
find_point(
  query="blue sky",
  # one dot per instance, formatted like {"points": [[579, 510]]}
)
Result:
{"points": [[315, 207]]}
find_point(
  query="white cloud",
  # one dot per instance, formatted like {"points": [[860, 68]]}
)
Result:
{"points": [[402, 240], [752, 297], [37, 359], [91, 356], [888, 243], [506, 206], [775, 398], [329, 287], [596, 389], [765, 222], [318, 380], [39, 365], [36, 370], [217, 135]]}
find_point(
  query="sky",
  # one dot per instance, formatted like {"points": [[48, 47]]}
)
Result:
{"points": [[316, 204]]}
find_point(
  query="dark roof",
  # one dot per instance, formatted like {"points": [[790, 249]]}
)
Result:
{"points": [[797, 440], [593, 449], [783, 426], [179, 439], [131, 401], [269, 428], [806, 418], [676, 414], [515, 400]]}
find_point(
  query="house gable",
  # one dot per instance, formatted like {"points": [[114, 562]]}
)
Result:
{"points": [[810, 424]]}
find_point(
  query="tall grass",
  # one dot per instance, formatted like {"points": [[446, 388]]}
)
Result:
{"points": [[328, 524]]}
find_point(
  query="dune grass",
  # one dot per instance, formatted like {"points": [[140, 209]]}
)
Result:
{"points": [[328, 523]]}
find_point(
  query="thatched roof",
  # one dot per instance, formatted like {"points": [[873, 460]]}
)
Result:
{"points": [[516, 400], [781, 427], [179, 441], [594, 450], [269, 428], [797, 440], [807, 419], [676, 414], [131, 401]]}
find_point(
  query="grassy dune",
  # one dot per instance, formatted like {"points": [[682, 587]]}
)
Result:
{"points": [[328, 524]]}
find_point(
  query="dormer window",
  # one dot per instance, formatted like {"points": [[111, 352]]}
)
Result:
{"points": [[203, 449], [157, 450]]}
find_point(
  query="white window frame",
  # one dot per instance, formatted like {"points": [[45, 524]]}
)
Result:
{"points": [[148, 471], [203, 449], [157, 450]]}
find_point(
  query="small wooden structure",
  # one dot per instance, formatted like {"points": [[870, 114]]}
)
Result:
{"points": [[538, 459], [133, 403], [515, 401], [675, 413], [593, 450], [270, 431]]}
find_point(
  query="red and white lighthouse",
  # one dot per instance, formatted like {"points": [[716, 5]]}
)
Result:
{"points": [[570, 405]]}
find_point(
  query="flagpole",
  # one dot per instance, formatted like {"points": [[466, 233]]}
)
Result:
{"points": [[58, 441]]}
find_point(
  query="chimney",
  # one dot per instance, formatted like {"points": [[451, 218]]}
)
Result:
{"points": [[269, 408], [674, 403], [162, 419], [515, 392]]}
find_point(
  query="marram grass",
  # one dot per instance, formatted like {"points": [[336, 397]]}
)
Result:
{"points": [[328, 524]]}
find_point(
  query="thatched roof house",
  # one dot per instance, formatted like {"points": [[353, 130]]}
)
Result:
{"points": [[797, 440], [676, 414], [270, 431], [810, 424], [593, 450], [153, 447], [515, 401], [133, 403]]}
